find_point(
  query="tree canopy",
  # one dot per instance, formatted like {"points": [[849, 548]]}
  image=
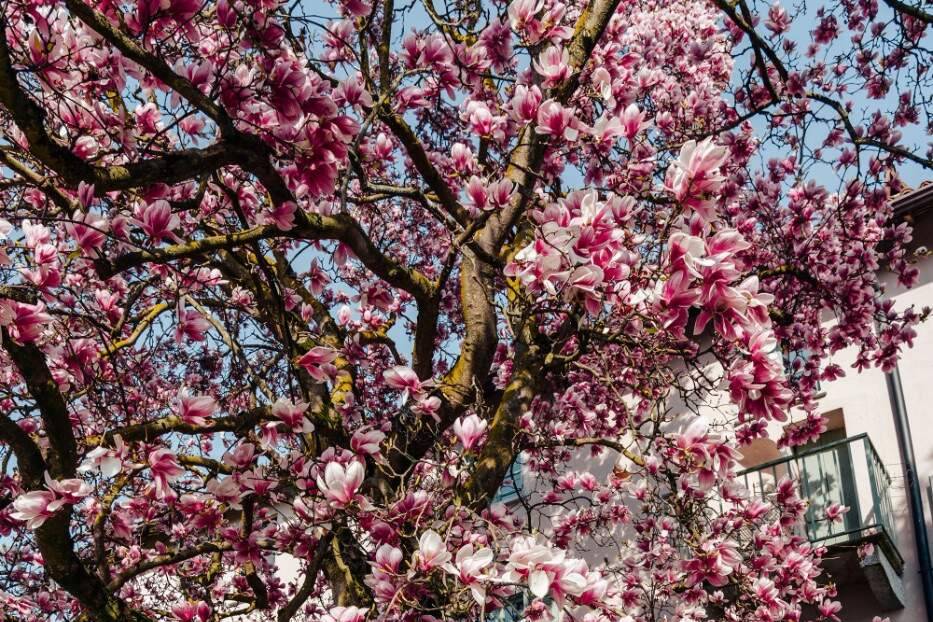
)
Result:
{"points": [[299, 284]]}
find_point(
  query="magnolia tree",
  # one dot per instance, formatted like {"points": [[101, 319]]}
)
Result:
{"points": [[292, 285]]}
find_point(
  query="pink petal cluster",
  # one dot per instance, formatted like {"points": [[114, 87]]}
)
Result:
{"points": [[340, 482], [36, 507], [165, 469]]}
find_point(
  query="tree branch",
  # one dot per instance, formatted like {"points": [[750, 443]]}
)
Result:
{"points": [[340, 227], [287, 612], [908, 9]]}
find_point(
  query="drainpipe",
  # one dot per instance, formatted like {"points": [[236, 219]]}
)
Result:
{"points": [[914, 497]]}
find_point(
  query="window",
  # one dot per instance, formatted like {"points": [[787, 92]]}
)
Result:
{"points": [[512, 483], [795, 366], [511, 610], [514, 606]]}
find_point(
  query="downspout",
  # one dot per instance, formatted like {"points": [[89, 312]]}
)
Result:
{"points": [[915, 499]]}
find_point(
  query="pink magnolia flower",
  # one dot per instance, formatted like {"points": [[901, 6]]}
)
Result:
{"points": [[240, 456], [148, 118], [388, 560], [500, 193], [606, 129], [427, 405], [553, 64], [778, 20], [480, 118], [367, 442], [345, 614], [282, 215], [583, 283], [70, 490], [109, 461], [756, 381], [35, 507], [87, 230], [192, 612], [341, 481], [224, 490], [677, 297], [357, 8], [468, 566], [189, 325], [835, 512], [317, 362], [695, 175], [432, 552], [165, 468], [829, 609], [86, 147], [462, 158], [633, 121], [522, 12], [317, 278], [385, 572], [695, 445], [157, 220], [595, 591], [192, 125], [713, 562], [36, 234], [469, 430], [293, 414], [269, 434], [86, 193], [546, 570], [476, 191], [403, 378], [769, 596], [558, 578], [556, 120], [194, 409], [24, 322], [353, 92], [525, 102]]}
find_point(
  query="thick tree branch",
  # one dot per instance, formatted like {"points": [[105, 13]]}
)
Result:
{"points": [[138, 330], [29, 458], [499, 450], [314, 227], [168, 168], [175, 557], [249, 568], [909, 9], [149, 431], [63, 448]]}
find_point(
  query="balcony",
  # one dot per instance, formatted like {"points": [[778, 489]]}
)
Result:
{"points": [[850, 473]]}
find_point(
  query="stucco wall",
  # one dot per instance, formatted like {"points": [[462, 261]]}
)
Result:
{"points": [[863, 398]]}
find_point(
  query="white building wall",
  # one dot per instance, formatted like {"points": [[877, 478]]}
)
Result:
{"points": [[866, 408]]}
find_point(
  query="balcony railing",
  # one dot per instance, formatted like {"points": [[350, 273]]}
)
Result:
{"points": [[848, 472]]}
